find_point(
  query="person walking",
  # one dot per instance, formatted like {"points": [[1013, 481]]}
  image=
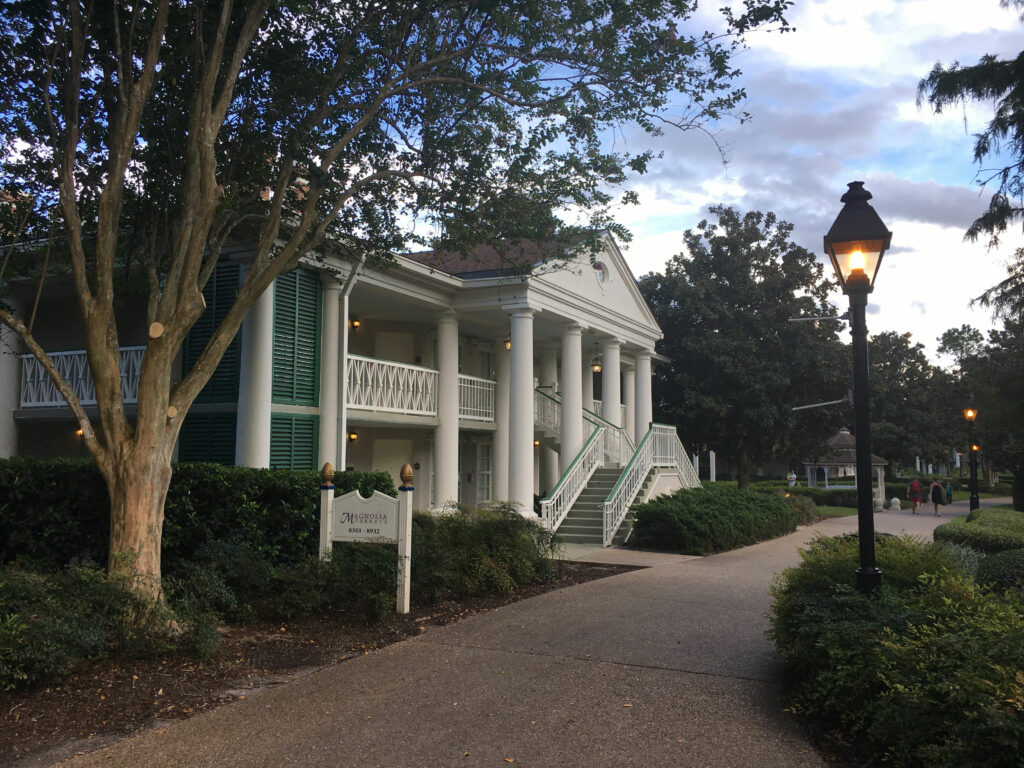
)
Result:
{"points": [[914, 494], [938, 495], [948, 488]]}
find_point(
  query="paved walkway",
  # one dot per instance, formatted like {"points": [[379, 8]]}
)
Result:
{"points": [[666, 666]]}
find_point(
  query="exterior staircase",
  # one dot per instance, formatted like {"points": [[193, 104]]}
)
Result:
{"points": [[585, 522]]}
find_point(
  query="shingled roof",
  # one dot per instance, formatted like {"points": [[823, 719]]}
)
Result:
{"points": [[842, 451]]}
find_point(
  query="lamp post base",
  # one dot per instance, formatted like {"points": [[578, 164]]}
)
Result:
{"points": [[869, 580]]}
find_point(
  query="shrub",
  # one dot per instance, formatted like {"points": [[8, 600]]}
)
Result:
{"points": [[927, 672], [987, 530], [967, 558], [50, 619], [835, 497], [56, 511], [701, 520], [1003, 570]]}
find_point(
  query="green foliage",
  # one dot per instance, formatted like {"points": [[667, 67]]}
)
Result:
{"points": [[1004, 570], [738, 364], [48, 620], [57, 511], [476, 553], [967, 558], [928, 672], [986, 530], [835, 497], [699, 521]]}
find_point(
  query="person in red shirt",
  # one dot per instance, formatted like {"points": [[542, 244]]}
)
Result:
{"points": [[914, 494]]}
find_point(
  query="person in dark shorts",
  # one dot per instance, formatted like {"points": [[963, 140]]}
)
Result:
{"points": [[914, 494], [938, 496]]}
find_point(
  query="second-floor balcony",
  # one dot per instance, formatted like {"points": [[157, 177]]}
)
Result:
{"points": [[380, 386]]}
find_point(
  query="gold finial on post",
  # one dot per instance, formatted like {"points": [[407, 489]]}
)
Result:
{"points": [[406, 474], [327, 476]]}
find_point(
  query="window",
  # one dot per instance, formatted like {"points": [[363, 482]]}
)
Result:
{"points": [[483, 473], [293, 441], [296, 378]]}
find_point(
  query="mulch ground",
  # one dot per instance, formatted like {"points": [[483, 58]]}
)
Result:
{"points": [[103, 703]]}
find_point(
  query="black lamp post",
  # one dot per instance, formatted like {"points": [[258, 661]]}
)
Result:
{"points": [[970, 414], [856, 243]]}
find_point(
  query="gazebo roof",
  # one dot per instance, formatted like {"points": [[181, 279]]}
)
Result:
{"points": [[842, 451]]}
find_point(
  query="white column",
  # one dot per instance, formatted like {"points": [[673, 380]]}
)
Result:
{"points": [[712, 469], [329, 348], [499, 456], [572, 394], [446, 476], [10, 390], [255, 384], [644, 405], [629, 399], [588, 384], [548, 376], [521, 412], [696, 464], [611, 383], [341, 431]]}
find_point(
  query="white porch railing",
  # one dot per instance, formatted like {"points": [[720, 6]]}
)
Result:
{"points": [[599, 410], [382, 385], [476, 398], [39, 391], [555, 507], [660, 447], [547, 411]]}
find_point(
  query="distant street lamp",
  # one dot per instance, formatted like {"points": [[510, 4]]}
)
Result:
{"points": [[856, 243], [970, 414]]}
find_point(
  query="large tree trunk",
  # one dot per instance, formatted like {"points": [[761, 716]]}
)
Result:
{"points": [[138, 488], [742, 469]]}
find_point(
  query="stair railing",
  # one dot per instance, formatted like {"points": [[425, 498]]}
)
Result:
{"points": [[570, 485], [659, 447], [547, 411]]}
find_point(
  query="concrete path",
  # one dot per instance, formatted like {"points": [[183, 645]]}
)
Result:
{"points": [[666, 666]]}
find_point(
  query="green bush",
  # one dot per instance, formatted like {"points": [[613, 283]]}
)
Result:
{"points": [[698, 521], [987, 530], [1003, 570], [56, 512], [50, 620], [836, 497], [927, 672]]}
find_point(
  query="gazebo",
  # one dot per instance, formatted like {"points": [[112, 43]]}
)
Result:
{"points": [[838, 467]]}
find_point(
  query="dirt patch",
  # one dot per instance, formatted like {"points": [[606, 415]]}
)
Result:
{"points": [[100, 704]]}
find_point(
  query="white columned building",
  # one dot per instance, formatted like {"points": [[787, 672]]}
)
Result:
{"points": [[520, 460], [330, 368], [446, 475], [644, 403], [572, 394], [629, 400], [611, 383], [501, 425], [255, 384], [548, 380]]}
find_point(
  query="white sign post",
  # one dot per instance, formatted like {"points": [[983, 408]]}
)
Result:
{"points": [[376, 519]]}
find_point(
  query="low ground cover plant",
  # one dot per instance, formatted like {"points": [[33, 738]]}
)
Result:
{"points": [[987, 530], [715, 518], [927, 672]]}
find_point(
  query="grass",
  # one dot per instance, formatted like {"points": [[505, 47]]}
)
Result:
{"points": [[827, 511]]}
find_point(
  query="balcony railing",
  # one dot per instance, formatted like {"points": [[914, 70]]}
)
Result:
{"points": [[389, 387], [39, 391]]}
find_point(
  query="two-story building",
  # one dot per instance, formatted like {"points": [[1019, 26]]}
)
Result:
{"points": [[494, 386]]}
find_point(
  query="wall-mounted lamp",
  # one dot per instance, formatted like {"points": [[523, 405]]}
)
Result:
{"points": [[79, 432], [508, 343], [356, 322], [536, 442], [353, 436]]}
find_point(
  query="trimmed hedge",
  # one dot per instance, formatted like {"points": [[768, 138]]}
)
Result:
{"points": [[715, 518], [1003, 570], [987, 530], [929, 672], [57, 512]]}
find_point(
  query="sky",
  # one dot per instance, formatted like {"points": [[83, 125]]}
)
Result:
{"points": [[834, 101]]}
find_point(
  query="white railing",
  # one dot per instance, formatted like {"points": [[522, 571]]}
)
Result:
{"points": [[381, 385], [554, 508], [660, 447], [476, 398], [39, 391], [547, 411]]}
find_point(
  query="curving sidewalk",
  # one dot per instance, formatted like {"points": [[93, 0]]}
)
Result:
{"points": [[666, 666]]}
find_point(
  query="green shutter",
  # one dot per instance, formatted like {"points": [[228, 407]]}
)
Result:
{"points": [[208, 437], [296, 378], [294, 441], [219, 294]]}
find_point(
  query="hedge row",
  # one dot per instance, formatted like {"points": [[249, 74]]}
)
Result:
{"points": [[987, 530], [57, 511], [928, 673], [699, 521]]}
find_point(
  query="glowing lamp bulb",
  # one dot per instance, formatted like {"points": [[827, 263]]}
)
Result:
{"points": [[857, 263]]}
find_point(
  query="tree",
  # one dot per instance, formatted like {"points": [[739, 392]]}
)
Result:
{"points": [[961, 344], [151, 134], [1000, 81], [738, 366]]}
